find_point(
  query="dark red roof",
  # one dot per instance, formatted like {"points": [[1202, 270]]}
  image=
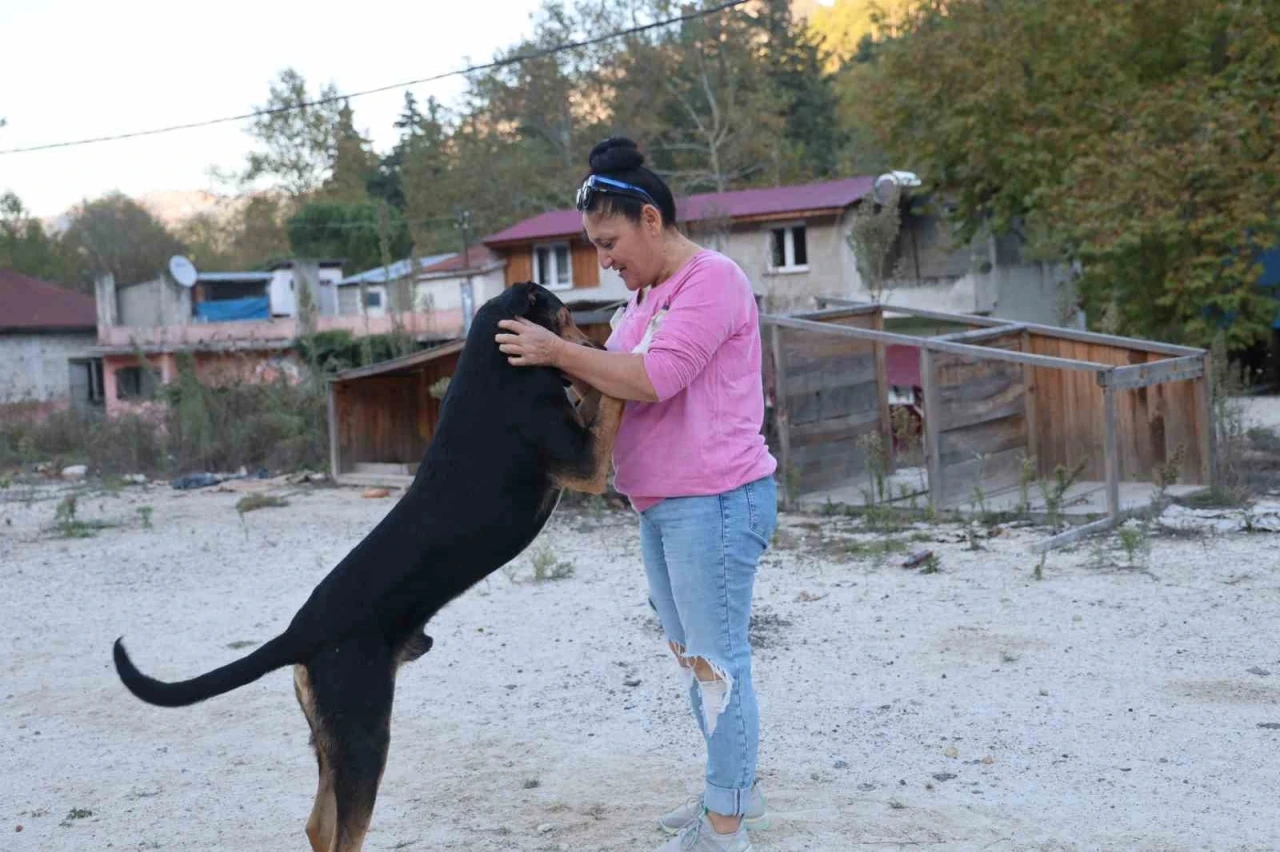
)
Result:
{"points": [[739, 204], [28, 303], [478, 257]]}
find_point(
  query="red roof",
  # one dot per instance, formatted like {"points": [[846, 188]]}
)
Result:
{"points": [[478, 257], [28, 303], [739, 204]]}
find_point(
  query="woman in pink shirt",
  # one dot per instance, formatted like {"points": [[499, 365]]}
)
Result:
{"points": [[690, 455]]}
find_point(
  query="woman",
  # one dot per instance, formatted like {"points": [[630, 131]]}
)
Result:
{"points": [[691, 458]]}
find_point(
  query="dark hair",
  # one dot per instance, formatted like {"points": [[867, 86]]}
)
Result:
{"points": [[618, 157]]}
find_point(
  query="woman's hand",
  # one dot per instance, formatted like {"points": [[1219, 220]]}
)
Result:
{"points": [[528, 344]]}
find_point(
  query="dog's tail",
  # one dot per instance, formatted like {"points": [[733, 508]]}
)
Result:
{"points": [[280, 651]]}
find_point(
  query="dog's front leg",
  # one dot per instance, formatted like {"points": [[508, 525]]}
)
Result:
{"points": [[600, 415]]}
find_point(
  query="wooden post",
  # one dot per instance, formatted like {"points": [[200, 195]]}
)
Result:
{"points": [[882, 389], [335, 452], [1029, 394], [1206, 429], [781, 416], [932, 416], [1111, 450]]}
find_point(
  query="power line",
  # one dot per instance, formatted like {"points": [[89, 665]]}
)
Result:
{"points": [[498, 63]]}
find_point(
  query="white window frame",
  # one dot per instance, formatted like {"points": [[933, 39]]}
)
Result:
{"points": [[381, 309], [553, 269], [789, 246]]}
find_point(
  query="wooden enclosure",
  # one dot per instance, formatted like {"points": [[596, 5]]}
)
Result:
{"points": [[1003, 402], [383, 416]]}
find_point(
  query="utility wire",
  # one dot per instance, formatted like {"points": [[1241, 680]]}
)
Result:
{"points": [[498, 63]]}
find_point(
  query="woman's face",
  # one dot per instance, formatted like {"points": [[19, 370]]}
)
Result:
{"points": [[631, 249]]}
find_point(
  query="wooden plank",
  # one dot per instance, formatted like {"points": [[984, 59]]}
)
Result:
{"points": [[586, 266], [1029, 403], [1205, 426], [1154, 373], [934, 344], [834, 429], [1073, 535], [993, 396], [826, 314], [978, 335], [957, 446], [335, 451], [827, 397], [882, 395], [932, 415], [1109, 450], [1072, 334], [781, 416], [995, 472]]}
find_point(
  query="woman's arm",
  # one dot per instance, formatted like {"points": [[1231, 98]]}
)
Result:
{"points": [[617, 374]]}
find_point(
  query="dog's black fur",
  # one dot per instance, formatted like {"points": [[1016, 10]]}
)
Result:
{"points": [[508, 440]]}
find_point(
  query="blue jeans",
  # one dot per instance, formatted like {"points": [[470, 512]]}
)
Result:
{"points": [[700, 555]]}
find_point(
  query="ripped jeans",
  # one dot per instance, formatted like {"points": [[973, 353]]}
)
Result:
{"points": [[700, 555]]}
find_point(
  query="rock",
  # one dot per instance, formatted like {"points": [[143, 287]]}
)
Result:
{"points": [[943, 776], [1258, 670], [917, 559], [841, 764], [532, 783], [135, 478], [1270, 726], [375, 493], [546, 828], [631, 681], [75, 471], [951, 751]]}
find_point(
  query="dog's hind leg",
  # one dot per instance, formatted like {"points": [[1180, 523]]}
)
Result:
{"points": [[324, 819], [353, 689]]}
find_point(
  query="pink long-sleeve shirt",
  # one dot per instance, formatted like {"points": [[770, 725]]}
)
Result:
{"points": [[703, 434]]}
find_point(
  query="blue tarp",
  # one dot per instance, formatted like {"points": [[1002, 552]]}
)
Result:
{"points": [[225, 310]]}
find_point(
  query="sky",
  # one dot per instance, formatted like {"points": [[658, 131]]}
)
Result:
{"points": [[77, 68]]}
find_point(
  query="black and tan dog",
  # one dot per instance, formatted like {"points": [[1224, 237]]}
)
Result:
{"points": [[508, 441]]}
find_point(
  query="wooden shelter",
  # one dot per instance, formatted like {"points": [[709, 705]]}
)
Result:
{"points": [[1002, 401], [383, 416]]}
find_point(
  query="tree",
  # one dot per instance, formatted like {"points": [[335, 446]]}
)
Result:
{"points": [[298, 133], [115, 234], [793, 59], [846, 27], [699, 97], [352, 232], [1137, 138], [25, 246], [354, 164]]}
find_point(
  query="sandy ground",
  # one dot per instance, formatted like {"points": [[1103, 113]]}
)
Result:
{"points": [[978, 708]]}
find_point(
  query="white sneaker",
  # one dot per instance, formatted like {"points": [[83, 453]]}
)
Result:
{"points": [[755, 817], [699, 836]]}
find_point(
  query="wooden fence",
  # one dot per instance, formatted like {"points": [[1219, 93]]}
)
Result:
{"points": [[996, 397]]}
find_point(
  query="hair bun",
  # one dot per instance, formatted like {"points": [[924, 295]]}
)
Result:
{"points": [[615, 154]]}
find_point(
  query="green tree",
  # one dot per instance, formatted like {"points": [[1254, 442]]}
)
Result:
{"points": [[26, 247], [116, 234], [354, 163], [332, 229], [698, 95], [1138, 138], [298, 136]]}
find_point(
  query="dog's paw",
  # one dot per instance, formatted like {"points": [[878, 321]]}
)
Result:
{"points": [[415, 648]]}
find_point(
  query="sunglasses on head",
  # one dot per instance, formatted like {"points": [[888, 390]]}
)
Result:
{"points": [[608, 186]]}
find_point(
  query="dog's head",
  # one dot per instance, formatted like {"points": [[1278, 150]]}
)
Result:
{"points": [[539, 305]]}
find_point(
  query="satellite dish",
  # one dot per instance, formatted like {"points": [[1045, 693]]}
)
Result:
{"points": [[890, 185], [182, 270]]}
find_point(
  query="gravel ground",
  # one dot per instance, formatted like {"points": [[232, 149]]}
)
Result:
{"points": [[1102, 707]]}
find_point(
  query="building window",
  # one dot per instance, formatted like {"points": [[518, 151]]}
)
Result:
{"points": [[789, 249], [551, 266], [135, 383]]}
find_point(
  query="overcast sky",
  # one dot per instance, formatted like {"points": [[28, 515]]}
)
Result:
{"points": [[74, 68]]}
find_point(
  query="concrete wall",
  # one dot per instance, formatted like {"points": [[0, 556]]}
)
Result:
{"points": [[832, 270], [34, 368], [446, 293], [157, 302]]}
